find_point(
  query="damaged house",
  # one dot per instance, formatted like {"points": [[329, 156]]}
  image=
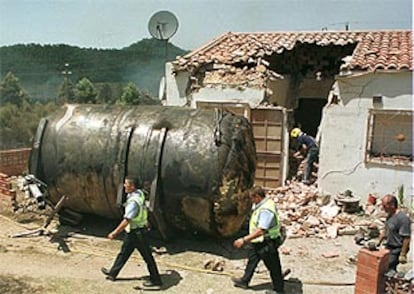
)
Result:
{"points": [[350, 89]]}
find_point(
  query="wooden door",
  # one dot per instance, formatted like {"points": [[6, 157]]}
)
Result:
{"points": [[268, 129]]}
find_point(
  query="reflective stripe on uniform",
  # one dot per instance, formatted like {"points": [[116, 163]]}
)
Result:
{"points": [[140, 221], [273, 232]]}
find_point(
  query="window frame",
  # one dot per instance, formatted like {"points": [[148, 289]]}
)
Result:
{"points": [[394, 160]]}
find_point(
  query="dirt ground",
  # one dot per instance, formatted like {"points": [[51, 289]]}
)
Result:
{"points": [[69, 261]]}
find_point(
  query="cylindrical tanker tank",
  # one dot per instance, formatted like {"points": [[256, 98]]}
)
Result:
{"points": [[198, 163]]}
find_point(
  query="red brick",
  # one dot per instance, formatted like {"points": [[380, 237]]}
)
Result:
{"points": [[6, 185], [8, 193], [13, 162], [371, 267]]}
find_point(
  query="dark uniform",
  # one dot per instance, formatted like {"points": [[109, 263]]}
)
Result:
{"points": [[312, 153], [265, 248], [136, 212]]}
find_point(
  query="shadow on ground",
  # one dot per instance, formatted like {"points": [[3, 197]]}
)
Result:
{"points": [[291, 286], [169, 279], [12, 285], [180, 242]]}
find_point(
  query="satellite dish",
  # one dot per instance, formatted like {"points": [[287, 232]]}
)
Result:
{"points": [[163, 25]]}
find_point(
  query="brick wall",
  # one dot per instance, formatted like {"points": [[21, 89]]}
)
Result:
{"points": [[7, 194], [14, 162]]}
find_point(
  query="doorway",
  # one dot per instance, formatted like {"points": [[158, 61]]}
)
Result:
{"points": [[307, 116]]}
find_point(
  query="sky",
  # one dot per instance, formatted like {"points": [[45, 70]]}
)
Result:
{"points": [[119, 23]]}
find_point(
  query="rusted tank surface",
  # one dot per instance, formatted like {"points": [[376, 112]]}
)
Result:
{"points": [[198, 163]]}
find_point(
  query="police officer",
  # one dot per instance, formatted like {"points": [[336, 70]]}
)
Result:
{"points": [[264, 237], [135, 225]]}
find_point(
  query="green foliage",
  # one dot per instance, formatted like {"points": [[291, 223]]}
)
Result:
{"points": [[18, 117], [11, 91], [18, 124], [41, 69], [50, 72], [85, 92], [131, 95], [66, 92], [105, 95]]}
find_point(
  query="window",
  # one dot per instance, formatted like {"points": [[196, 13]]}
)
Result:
{"points": [[390, 137]]}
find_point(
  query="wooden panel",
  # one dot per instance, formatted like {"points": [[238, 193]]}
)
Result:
{"points": [[271, 144], [268, 135], [268, 170], [268, 130], [264, 128], [269, 114]]}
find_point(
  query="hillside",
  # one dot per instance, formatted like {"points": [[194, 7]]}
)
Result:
{"points": [[40, 68]]}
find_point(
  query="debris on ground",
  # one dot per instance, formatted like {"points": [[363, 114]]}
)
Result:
{"points": [[330, 254], [304, 211], [307, 213], [214, 265]]}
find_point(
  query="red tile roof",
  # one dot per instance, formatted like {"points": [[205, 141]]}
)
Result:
{"points": [[385, 50]]}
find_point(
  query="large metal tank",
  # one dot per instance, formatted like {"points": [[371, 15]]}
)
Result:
{"points": [[198, 163]]}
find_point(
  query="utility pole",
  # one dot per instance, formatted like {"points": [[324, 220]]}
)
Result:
{"points": [[66, 73]]}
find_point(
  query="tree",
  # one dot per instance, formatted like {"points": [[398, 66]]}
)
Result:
{"points": [[11, 91], [105, 94], [85, 91], [66, 91], [18, 124], [130, 95], [133, 96]]}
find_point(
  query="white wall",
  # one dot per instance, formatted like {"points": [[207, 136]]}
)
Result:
{"points": [[280, 91], [178, 83], [252, 97], [176, 86], [343, 140]]}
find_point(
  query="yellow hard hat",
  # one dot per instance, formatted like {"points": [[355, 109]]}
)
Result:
{"points": [[295, 133]]}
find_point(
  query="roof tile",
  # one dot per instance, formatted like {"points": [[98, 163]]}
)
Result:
{"points": [[388, 50]]}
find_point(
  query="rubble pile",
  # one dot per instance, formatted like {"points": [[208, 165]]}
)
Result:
{"points": [[235, 77], [307, 213], [398, 282], [222, 75], [303, 210], [26, 205]]}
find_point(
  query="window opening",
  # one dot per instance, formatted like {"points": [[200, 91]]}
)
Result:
{"points": [[389, 137]]}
